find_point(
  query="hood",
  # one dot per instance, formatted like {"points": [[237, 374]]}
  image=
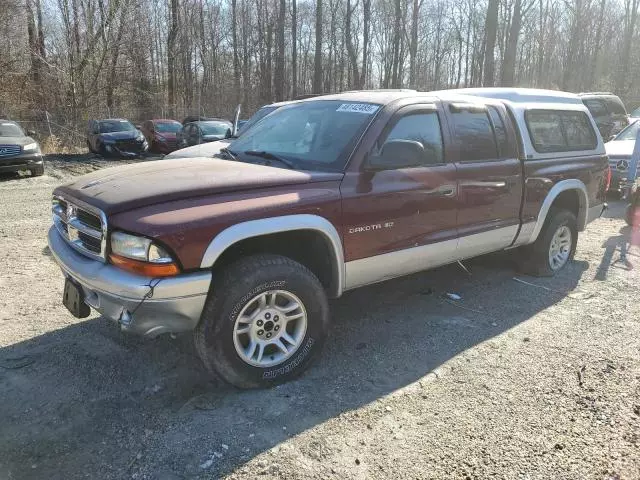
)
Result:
{"points": [[22, 141], [129, 134], [118, 189], [203, 150], [621, 148]]}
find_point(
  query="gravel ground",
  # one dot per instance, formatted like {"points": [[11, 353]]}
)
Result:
{"points": [[512, 381]]}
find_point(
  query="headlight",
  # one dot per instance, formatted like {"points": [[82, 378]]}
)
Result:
{"points": [[140, 136], [140, 255], [31, 147]]}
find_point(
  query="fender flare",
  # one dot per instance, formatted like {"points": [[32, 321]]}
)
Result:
{"points": [[286, 223], [557, 189]]}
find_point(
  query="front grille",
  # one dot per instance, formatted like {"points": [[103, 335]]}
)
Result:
{"points": [[128, 145], [84, 227], [619, 163], [10, 150]]}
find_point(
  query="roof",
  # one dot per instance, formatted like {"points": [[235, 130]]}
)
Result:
{"points": [[164, 120], [519, 95], [597, 94]]}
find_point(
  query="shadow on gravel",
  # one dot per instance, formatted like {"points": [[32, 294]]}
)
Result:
{"points": [[86, 401]]}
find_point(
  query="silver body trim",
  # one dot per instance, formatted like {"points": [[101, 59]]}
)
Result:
{"points": [[267, 226], [526, 237], [175, 304], [412, 260]]}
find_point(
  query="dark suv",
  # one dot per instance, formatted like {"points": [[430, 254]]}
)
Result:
{"points": [[18, 151], [608, 111], [115, 136]]}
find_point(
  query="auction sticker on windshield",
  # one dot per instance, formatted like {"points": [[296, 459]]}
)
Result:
{"points": [[358, 108]]}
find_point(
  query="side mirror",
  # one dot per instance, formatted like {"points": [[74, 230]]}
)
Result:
{"points": [[139, 127], [397, 154], [31, 133]]}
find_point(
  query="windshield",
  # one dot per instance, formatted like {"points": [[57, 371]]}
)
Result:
{"points": [[110, 126], [259, 115], [168, 127], [214, 128], [315, 134], [10, 129], [629, 133]]}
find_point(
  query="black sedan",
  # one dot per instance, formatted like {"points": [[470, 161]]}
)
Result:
{"points": [[115, 136], [18, 151]]}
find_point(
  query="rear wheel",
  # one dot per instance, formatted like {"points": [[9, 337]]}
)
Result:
{"points": [[554, 247], [265, 321]]}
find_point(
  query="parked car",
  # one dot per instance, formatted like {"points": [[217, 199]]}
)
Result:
{"points": [[115, 136], [608, 111], [211, 149], [18, 150], [635, 114], [321, 197], [196, 133], [161, 134], [619, 150]]}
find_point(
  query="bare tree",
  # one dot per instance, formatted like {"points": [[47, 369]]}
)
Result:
{"points": [[317, 64]]}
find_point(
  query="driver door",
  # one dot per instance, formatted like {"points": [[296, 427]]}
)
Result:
{"points": [[400, 220]]}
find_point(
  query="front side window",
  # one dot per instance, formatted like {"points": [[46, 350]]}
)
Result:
{"points": [[312, 134], [474, 135], [560, 131], [423, 128]]}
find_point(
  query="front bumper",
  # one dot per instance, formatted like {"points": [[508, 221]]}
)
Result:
{"points": [[20, 162], [172, 305]]}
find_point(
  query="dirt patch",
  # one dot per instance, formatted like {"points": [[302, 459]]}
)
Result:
{"points": [[515, 380]]}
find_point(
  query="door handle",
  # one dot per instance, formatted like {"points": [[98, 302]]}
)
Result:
{"points": [[441, 191]]}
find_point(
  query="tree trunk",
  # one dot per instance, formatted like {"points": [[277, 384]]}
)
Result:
{"points": [[279, 75], [491, 29], [317, 63], [366, 20], [509, 63], [413, 46], [395, 79], [294, 49], [353, 57], [236, 58], [630, 19], [171, 58]]}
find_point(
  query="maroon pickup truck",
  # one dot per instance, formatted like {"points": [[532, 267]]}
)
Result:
{"points": [[323, 196]]}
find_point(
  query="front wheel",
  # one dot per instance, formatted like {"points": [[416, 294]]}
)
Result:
{"points": [[554, 247], [265, 321]]}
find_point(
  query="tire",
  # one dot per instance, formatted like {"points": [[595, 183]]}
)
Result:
{"points": [[535, 258], [235, 295], [37, 171]]}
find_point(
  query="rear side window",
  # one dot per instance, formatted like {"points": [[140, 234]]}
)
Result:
{"points": [[596, 107], [615, 105], [474, 135], [504, 148], [560, 131]]}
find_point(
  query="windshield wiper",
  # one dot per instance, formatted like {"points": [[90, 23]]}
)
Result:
{"points": [[229, 153], [270, 156]]}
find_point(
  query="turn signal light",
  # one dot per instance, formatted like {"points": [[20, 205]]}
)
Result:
{"points": [[145, 268]]}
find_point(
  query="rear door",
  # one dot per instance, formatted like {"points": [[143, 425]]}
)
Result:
{"points": [[401, 220], [489, 177]]}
